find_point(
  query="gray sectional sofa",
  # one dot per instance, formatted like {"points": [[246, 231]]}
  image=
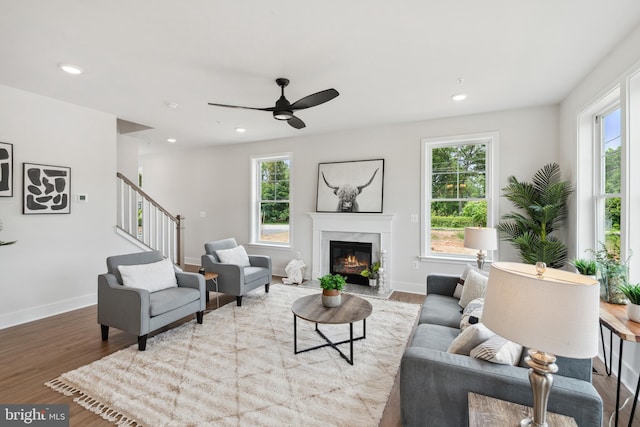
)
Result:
{"points": [[434, 384]]}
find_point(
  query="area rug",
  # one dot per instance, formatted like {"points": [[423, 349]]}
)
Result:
{"points": [[238, 369]]}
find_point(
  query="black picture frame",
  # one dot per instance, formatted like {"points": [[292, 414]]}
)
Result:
{"points": [[46, 189], [350, 186], [6, 169]]}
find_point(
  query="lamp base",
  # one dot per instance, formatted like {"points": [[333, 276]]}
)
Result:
{"points": [[481, 255], [542, 366]]}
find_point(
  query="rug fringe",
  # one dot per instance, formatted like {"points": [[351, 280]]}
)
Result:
{"points": [[91, 404]]}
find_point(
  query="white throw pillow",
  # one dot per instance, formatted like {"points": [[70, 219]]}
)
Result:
{"points": [[474, 287], [153, 277], [469, 339], [498, 350], [235, 256], [457, 293], [474, 308]]}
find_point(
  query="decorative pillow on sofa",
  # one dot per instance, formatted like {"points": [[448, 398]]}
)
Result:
{"points": [[235, 256], [498, 350], [463, 277], [473, 309], [153, 277], [474, 287], [469, 339]]}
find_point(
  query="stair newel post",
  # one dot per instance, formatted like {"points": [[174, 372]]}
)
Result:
{"points": [[180, 224]]}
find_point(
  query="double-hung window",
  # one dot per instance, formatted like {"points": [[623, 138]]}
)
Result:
{"points": [[271, 200], [458, 191], [608, 198]]}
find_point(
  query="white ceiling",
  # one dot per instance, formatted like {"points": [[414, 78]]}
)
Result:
{"points": [[391, 61]]}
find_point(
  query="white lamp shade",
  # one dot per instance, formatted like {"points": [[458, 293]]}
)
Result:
{"points": [[556, 314], [482, 238]]}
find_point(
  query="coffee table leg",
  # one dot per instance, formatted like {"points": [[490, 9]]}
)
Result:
{"points": [[351, 342], [295, 335]]}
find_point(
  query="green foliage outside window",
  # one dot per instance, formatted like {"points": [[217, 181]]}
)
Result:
{"points": [[274, 192]]}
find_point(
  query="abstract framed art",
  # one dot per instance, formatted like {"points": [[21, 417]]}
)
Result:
{"points": [[6, 169], [46, 189], [353, 186]]}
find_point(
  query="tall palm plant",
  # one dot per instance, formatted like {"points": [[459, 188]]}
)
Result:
{"points": [[542, 208]]}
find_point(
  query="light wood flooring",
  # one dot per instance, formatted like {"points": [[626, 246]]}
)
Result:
{"points": [[35, 352]]}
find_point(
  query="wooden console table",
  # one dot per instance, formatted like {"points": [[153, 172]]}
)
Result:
{"points": [[614, 317], [488, 411]]}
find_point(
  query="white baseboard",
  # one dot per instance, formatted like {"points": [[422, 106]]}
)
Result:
{"points": [[34, 313]]}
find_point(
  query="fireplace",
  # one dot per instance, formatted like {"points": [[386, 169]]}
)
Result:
{"points": [[349, 259]]}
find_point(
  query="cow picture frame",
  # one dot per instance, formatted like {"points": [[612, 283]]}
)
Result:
{"points": [[6, 169], [46, 189], [350, 186]]}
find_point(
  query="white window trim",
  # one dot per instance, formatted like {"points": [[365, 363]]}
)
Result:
{"points": [[492, 140], [255, 205]]}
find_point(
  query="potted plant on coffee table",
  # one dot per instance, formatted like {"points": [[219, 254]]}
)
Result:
{"points": [[332, 285], [632, 292], [371, 273]]}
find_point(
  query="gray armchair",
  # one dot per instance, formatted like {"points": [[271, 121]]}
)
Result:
{"points": [[234, 279], [139, 311]]}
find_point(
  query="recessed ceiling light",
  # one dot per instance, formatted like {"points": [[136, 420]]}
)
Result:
{"points": [[172, 105], [459, 96], [71, 69], [241, 130], [171, 140]]}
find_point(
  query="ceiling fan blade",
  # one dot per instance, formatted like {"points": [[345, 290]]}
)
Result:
{"points": [[245, 108], [315, 99], [296, 122]]}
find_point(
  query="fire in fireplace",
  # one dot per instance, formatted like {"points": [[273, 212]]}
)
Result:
{"points": [[349, 259]]}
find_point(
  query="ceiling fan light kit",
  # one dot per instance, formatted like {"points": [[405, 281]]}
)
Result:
{"points": [[283, 110]]}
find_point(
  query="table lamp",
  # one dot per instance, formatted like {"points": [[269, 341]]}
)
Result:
{"points": [[481, 238], [552, 312]]}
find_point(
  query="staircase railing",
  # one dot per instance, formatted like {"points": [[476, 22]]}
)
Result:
{"points": [[146, 221]]}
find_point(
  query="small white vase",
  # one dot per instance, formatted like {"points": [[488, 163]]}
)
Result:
{"points": [[373, 282], [633, 312]]}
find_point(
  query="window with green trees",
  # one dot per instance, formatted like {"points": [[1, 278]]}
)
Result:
{"points": [[273, 204], [456, 175], [609, 190]]}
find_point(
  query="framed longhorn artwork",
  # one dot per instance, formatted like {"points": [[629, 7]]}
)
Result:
{"points": [[353, 186], [46, 189]]}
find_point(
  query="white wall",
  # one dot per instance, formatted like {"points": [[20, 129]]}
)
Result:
{"points": [[54, 265], [127, 162], [216, 180], [612, 72]]}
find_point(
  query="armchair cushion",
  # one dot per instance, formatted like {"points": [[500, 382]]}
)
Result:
{"points": [[236, 256], [171, 299], [153, 277]]}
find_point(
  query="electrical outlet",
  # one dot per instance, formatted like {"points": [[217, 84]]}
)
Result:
{"points": [[416, 265], [414, 218], [203, 214]]}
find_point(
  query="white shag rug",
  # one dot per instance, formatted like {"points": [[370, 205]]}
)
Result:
{"points": [[238, 369]]}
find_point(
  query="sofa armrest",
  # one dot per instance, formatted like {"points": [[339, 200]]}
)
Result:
{"points": [[122, 307], [441, 284], [434, 386], [194, 281], [260, 261], [228, 274]]}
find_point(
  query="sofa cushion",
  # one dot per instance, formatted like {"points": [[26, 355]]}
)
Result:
{"points": [[235, 256], [470, 338], [474, 287], [434, 337], [440, 310], [154, 276], [170, 299], [498, 350], [254, 273]]}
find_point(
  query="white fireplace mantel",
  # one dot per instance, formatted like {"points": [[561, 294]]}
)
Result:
{"points": [[379, 224]]}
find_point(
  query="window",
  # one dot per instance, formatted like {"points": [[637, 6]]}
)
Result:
{"points": [[457, 191], [271, 200], [608, 196]]}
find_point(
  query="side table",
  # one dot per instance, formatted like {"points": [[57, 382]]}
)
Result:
{"points": [[214, 278], [614, 317], [488, 411]]}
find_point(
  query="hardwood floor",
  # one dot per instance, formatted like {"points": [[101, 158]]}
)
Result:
{"points": [[35, 352]]}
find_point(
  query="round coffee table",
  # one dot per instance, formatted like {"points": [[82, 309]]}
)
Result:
{"points": [[351, 310]]}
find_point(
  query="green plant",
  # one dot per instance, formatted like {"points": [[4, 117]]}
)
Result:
{"points": [[332, 281], [5, 243], [372, 271], [543, 208], [632, 292], [588, 267], [613, 272]]}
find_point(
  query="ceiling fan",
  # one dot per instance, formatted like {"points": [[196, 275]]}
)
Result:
{"points": [[283, 110]]}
